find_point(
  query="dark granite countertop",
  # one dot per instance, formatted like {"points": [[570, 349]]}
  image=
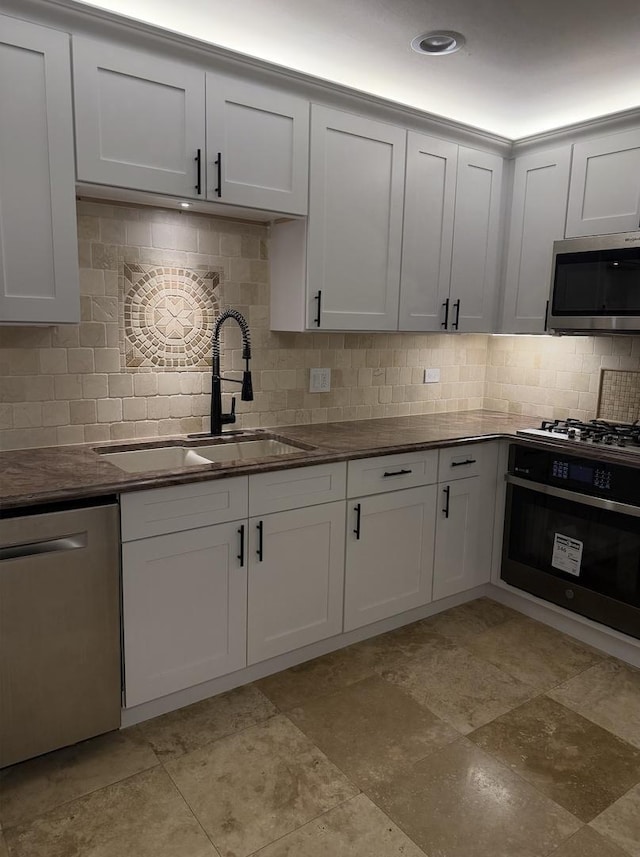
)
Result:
{"points": [[35, 476]]}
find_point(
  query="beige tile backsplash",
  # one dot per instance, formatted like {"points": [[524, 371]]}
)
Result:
{"points": [[70, 384]]}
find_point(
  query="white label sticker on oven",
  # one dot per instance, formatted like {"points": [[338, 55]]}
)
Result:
{"points": [[567, 554]]}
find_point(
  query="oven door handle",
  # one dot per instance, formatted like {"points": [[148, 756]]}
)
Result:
{"points": [[583, 499]]}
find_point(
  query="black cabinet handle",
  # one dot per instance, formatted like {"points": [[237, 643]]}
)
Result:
{"points": [[198, 160], [358, 510], [446, 501], [318, 298], [546, 316], [259, 551], [446, 314], [462, 463], [241, 554], [218, 190], [396, 472], [456, 306]]}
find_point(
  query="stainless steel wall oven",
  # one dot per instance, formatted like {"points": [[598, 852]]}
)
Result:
{"points": [[572, 534]]}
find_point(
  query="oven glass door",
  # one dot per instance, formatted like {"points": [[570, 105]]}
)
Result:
{"points": [[590, 547], [597, 283]]}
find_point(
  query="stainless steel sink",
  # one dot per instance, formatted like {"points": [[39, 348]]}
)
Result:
{"points": [[178, 457]]}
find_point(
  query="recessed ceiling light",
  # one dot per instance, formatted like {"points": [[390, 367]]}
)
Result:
{"points": [[185, 204], [438, 42]]}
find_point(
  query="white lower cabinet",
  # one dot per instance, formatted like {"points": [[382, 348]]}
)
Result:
{"points": [[296, 577], [204, 596], [184, 610], [464, 524], [389, 554], [463, 539], [200, 592]]}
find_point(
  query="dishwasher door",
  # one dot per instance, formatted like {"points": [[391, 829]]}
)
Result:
{"points": [[59, 629]]}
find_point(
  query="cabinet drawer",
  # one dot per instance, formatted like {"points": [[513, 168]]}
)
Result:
{"points": [[390, 472], [183, 507], [292, 489], [458, 462]]}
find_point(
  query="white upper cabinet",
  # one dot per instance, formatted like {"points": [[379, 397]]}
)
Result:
{"points": [[429, 205], [38, 238], [540, 186], [140, 120], [355, 222], [257, 146], [476, 234], [604, 195]]}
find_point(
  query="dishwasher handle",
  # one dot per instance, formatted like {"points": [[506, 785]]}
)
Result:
{"points": [[66, 543]]}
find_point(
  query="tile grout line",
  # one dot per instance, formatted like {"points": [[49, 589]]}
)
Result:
{"points": [[191, 810], [86, 794]]}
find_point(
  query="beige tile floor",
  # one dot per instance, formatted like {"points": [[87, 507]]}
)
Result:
{"points": [[476, 733]]}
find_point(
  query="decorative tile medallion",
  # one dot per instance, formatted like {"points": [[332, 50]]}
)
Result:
{"points": [[167, 316], [619, 395]]}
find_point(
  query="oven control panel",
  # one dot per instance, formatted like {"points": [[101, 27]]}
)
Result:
{"points": [[576, 473], [583, 473]]}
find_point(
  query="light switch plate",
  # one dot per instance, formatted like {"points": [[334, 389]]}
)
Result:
{"points": [[319, 380], [431, 376]]}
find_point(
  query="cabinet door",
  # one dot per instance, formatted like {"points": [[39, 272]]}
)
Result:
{"points": [[257, 146], [296, 576], [139, 119], [463, 536], [184, 610], [474, 266], [38, 237], [540, 187], [389, 554], [604, 195], [356, 188], [429, 202]]}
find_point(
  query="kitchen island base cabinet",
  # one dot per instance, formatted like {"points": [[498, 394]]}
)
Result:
{"points": [[296, 577], [389, 554], [184, 610]]}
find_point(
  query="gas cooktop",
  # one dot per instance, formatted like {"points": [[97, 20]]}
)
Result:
{"points": [[593, 433]]}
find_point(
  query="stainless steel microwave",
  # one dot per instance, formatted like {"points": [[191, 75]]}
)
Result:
{"points": [[595, 285]]}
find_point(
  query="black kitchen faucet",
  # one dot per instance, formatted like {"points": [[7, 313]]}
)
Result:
{"points": [[218, 418]]}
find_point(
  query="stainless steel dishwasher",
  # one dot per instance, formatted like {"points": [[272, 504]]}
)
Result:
{"points": [[59, 627]]}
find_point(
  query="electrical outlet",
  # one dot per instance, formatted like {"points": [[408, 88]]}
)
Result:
{"points": [[431, 376], [319, 380]]}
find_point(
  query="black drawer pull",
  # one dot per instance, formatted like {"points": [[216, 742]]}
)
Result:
{"points": [[396, 472], [260, 545], [462, 463], [241, 554], [447, 491], [358, 510]]}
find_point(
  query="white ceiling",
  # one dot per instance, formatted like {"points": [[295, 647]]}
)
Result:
{"points": [[528, 65]]}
